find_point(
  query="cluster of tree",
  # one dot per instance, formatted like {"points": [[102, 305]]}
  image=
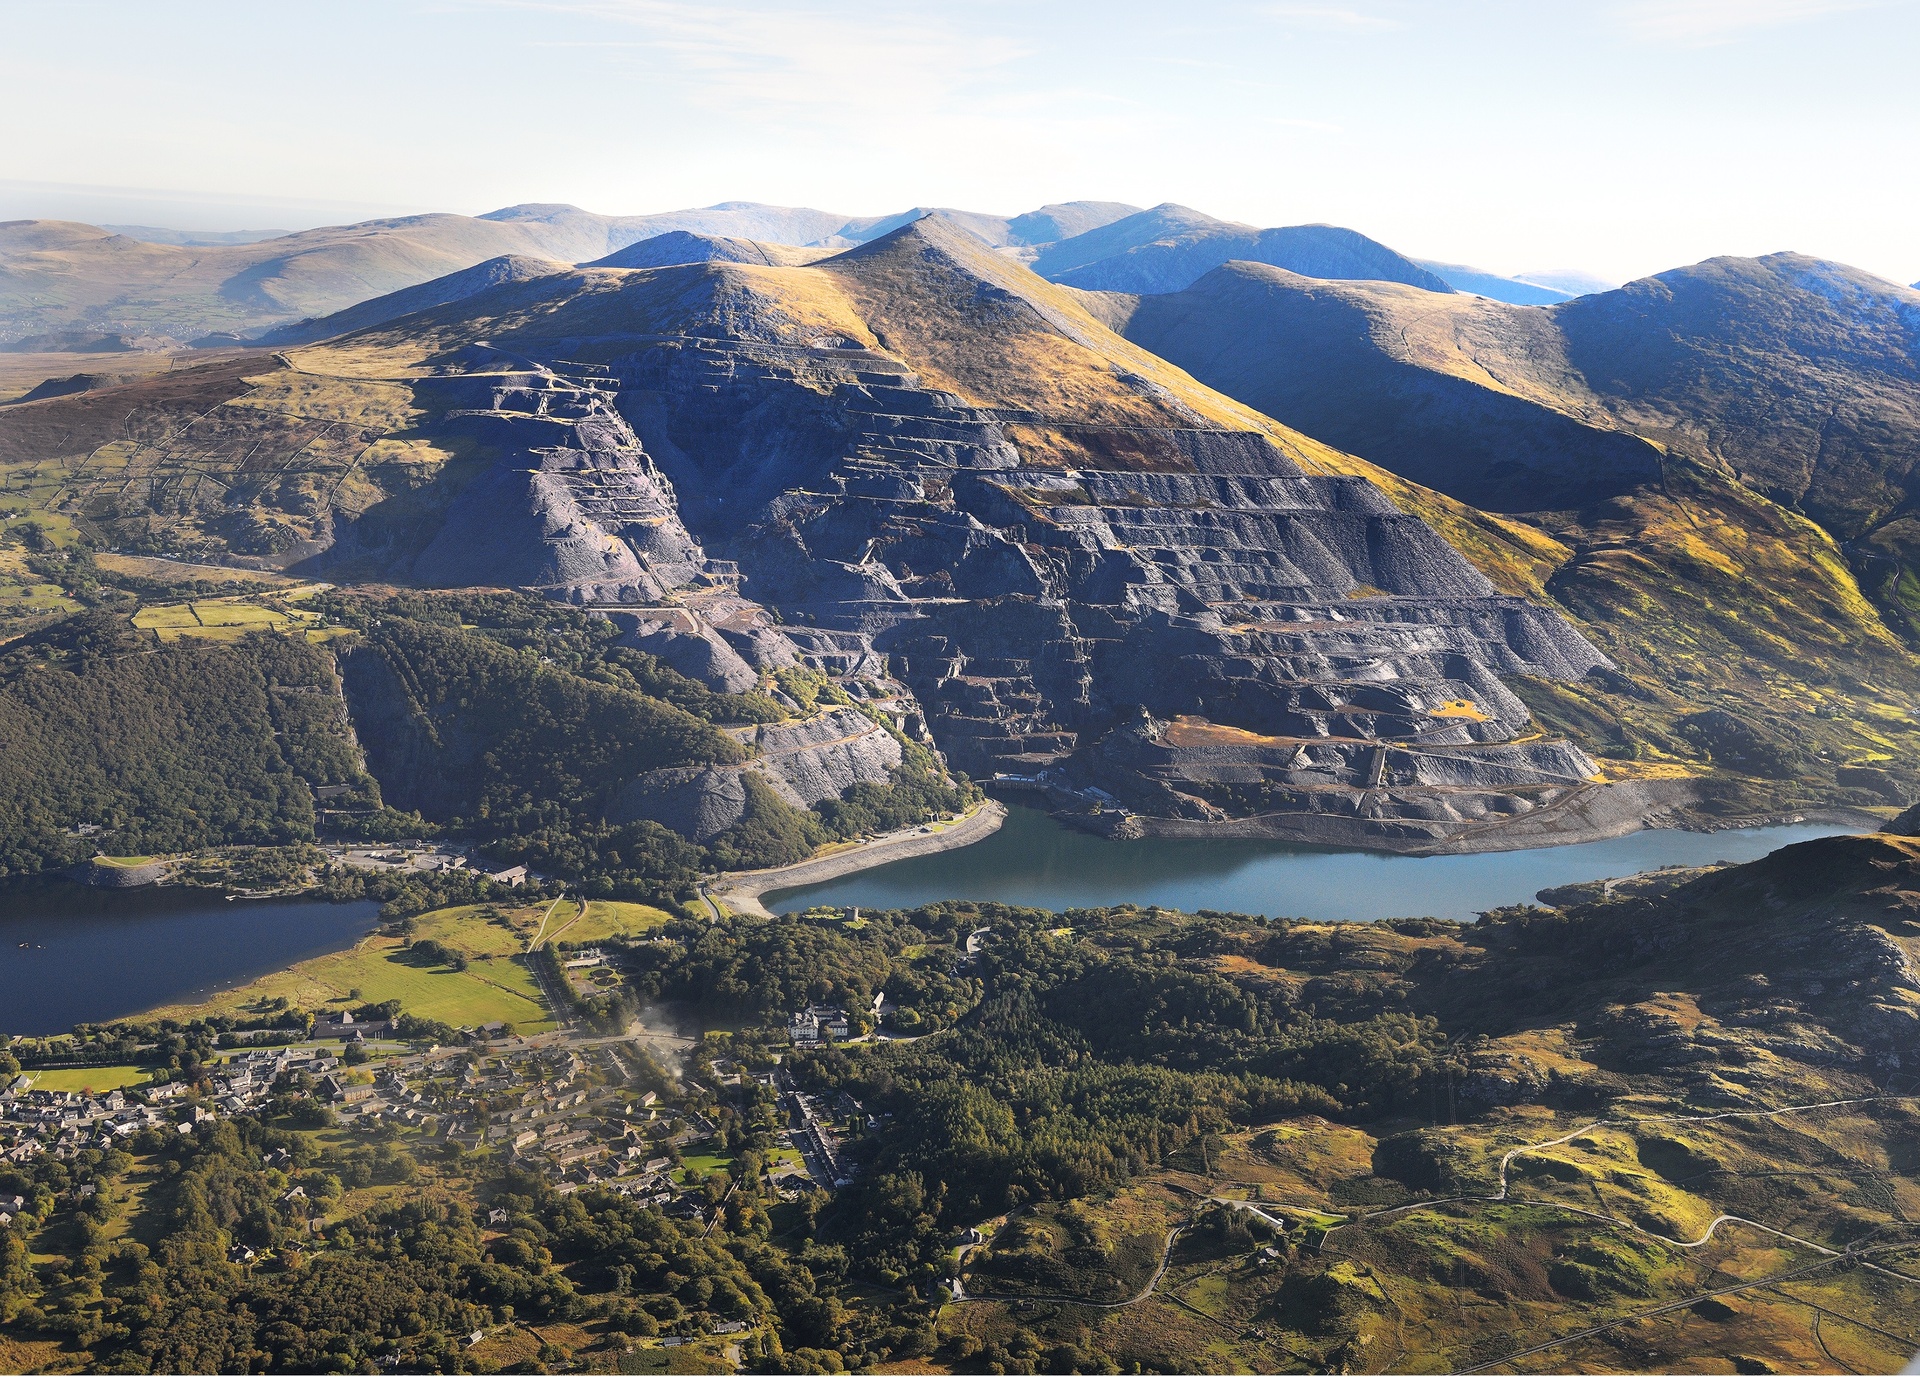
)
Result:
{"points": [[742, 971], [561, 636], [152, 747], [429, 952], [499, 715], [1095, 1052], [773, 832]]}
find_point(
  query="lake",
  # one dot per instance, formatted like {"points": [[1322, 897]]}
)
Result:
{"points": [[1036, 861], [73, 954]]}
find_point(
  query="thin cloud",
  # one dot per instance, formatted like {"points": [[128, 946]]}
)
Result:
{"points": [[1334, 17], [791, 59], [1717, 21]]}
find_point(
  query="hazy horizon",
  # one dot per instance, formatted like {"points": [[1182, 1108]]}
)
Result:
{"points": [[1622, 140]]}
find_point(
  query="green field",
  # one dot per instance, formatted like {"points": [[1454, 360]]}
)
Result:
{"points": [[227, 619], [495, 987], [700, 1163], [601, 919], [96, 1078]]}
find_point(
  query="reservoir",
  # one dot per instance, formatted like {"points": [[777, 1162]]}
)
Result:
{"points": [[1036, 861], [73, 954]]}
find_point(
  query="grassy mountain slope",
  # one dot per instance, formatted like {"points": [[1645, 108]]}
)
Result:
{"points": [[1713, 595], [1164, 221], [437, 292], [1802, 377], [939, 300], [258, 456]]}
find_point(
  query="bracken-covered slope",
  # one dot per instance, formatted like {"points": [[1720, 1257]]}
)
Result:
{"points": [[921, 451], [1720, 452]]}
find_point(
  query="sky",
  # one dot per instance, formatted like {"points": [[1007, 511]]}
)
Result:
{"points": [[1620, 137]]}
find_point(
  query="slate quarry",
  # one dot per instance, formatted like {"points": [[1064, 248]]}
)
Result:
{"points": [[1060, 560]]}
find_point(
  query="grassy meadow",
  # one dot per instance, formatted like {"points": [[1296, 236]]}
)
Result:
{"points": [[496, 986]]}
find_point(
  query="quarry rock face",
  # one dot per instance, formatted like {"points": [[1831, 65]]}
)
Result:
{"points": [[573, 506], [1088, 581], [804, 762]]}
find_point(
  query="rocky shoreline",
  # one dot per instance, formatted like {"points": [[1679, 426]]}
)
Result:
{"points": [[1596, 812], [741, 891]]}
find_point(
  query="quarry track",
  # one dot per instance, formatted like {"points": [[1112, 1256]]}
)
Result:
{"points": [[741, 891]]}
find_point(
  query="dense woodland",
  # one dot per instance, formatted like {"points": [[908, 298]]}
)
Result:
{"points": [[517, 721], [160, 747]]}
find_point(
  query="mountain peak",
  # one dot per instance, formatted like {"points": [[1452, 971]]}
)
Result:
{"points": [[676, 247], [532, 210]]}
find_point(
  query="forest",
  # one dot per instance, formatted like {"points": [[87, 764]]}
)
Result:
{"points": [[115, 742]]}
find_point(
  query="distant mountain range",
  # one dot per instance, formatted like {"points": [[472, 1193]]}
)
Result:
{"points": [[58, 277]]}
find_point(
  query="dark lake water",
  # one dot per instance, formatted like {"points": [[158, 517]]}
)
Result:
{"points": [[72, 954], [1035, 860]]}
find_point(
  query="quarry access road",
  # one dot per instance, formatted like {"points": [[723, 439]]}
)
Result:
{"points": [[741, 891]]}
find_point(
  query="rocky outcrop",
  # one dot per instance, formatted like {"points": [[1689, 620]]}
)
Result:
{"points": [[698, 802], [687, 644], [804, 762], [571, 504], [823, 756]]}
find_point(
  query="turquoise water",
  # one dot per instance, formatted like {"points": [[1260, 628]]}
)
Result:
{"points": [[1037, 861]]}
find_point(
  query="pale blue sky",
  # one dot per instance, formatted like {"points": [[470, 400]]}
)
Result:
{"points": [[1621, 136]]}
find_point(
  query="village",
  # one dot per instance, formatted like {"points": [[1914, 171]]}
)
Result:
{"points": [[588, 1112]]}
